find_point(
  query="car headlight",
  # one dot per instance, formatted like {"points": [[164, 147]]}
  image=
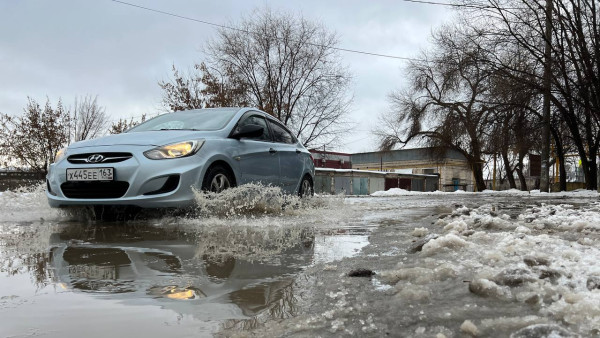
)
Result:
{"points": [[60, 154], [174, 150]]}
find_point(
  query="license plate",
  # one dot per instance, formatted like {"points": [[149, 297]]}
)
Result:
{"points": [[90, 174]]}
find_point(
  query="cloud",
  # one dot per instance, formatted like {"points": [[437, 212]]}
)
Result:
{"points": [[67, 48]]}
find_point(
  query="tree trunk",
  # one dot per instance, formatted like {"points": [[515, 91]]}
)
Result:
{"points": [[593, 168], [593, 175], [519, 170], [560, 153], [478, 173], [590, 172], [562, 170], [509, 171]]}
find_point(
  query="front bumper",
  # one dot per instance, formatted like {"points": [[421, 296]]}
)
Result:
{"points": [[140, 178]]}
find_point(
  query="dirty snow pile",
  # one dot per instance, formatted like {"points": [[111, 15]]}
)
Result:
{"points": [[511, 192], [542, 264]]}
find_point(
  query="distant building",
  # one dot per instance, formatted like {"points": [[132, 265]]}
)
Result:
{"points": [[451, 166], [331, 160]]}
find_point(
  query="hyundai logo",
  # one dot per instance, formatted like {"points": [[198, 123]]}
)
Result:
{"points": [[96, 158]]}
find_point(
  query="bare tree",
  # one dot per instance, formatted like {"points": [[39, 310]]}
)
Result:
{"points": [[182, 91], [88, 119], [516, 130], [123, 125], [279, 63], [575, 84], [201, 88], [447, 104], [34, 138]]}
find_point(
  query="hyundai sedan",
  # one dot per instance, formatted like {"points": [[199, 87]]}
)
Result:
{"points": [[158, 163]]}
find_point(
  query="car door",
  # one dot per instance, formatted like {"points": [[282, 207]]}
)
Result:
{"points": [[258, 160], [291, 160]]}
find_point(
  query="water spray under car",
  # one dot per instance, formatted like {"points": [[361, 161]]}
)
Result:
{"points": [[159, 163]]}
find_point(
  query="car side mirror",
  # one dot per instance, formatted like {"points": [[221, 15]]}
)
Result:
{"points": [[248, 131]]}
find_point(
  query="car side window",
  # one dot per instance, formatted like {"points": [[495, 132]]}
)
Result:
{"points": [[258, 120], [280, 134]]}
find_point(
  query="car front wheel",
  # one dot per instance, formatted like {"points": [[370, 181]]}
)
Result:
{"points": [[217, 179], [306, 187]]}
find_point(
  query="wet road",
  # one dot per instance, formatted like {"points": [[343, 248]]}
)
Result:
{"points": [[260, 270], [64, 275]]}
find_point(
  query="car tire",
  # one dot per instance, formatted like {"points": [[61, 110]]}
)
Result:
{"points": [[306, 187], [217, 179]]}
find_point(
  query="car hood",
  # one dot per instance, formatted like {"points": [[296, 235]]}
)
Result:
{"points": [[144, 138]]}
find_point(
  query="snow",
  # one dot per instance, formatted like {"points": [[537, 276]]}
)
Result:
{"points": [[546, 256], [511, 192], [402, 192], [443, 244]]}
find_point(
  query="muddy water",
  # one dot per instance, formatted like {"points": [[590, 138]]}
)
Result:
{"points": [[62, 274]]}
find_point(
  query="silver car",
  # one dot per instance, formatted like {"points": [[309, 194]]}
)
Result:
{"points": [[157, 163]]}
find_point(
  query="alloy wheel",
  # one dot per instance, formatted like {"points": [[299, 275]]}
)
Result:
{"points": [[219, 183], [306, 188]]}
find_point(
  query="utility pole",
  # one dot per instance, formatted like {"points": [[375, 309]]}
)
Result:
{"points": [[545, 174], [494, 179]]}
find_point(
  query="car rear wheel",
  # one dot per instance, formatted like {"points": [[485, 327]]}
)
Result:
{"points": [[217, 179], [306, 187]]}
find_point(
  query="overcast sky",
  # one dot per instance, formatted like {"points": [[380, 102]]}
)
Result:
{"points": [[72, 48]]}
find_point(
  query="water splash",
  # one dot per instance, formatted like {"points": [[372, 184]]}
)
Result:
{"points": [[252, 200], [26, 204], [253, 221]]}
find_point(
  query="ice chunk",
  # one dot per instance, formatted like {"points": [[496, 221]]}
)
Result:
{"points": [[593, 282], [414, 293], [514, 277], [420, 232], [456, 226], [486, 288], [536, 260], [468, 327], [449, 241]]}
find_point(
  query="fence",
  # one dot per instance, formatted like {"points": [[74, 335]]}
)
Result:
{"points": [[364, 182], [10, 180]]}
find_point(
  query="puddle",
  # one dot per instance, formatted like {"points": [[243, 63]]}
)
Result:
{"points": [[176, 275]]}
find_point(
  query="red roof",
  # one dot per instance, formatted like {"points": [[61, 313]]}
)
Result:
{"points": [[328, 152]]}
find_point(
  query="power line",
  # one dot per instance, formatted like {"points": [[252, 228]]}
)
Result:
{"points": [[457, 5], [443, 4], [247, 32], [360, 139], [348, 50], [355, 51]]}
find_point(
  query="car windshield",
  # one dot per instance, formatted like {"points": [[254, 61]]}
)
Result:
{"points": [[199, 119]]}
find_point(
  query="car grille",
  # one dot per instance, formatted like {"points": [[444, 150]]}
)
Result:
{"points": [[113, 189], [106, 158]]}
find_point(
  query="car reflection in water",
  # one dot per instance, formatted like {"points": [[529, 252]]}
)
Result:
{"points": [[190, 274]]}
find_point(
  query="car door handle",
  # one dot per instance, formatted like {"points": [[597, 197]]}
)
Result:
{"points": [[272, 151], [298, 151]]}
